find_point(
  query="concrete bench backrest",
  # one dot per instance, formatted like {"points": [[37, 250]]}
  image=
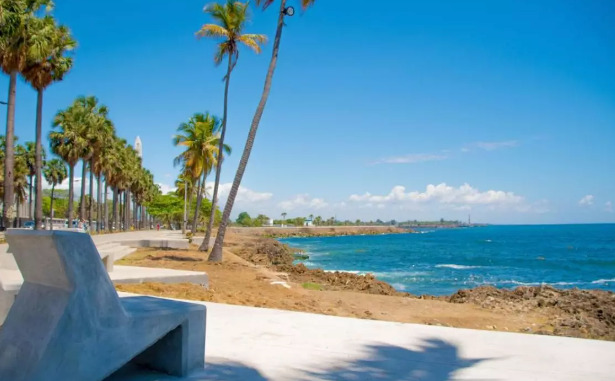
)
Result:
{"points": [[68, 263]]}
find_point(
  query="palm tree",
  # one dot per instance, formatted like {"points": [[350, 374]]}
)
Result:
{"points": [[18, 42], [185, 188], [40, 73], [216, 252], [55, 173], [200, 136], [230, 20], [31, 163], [68, 143], [101, 164], [283, 218], [20, 183]]}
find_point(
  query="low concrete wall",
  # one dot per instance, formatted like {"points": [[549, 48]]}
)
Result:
{"points": [[176, 244]]}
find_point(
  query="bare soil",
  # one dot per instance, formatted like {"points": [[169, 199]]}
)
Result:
{"points": [[256, 269]]}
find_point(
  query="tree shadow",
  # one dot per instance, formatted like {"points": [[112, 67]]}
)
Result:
{"points": [[435, 360], [214, 371]]}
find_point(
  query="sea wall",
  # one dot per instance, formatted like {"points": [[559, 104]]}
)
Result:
{"points": [[318, 231]]}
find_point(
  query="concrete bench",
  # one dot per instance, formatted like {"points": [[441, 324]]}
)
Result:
{"points": [[68, 323]]}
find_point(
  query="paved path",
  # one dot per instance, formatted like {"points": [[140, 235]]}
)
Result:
{"points": [[246, 343]]}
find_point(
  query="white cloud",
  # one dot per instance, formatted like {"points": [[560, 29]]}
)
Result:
{"points": [[464, 195], [412, 158], [303, 201], [243, 195], [587, 200], [166, 188], [608, 206], [492, 146]]}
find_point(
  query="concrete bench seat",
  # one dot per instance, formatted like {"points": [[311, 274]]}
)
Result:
{"points": [[68, 323]]}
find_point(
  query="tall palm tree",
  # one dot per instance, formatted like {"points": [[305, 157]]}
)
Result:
{"points": [[55, 173], [200, 138], [40, 73], [230, 21], [20, 183], [185, 189], [101, 164], [19, 41], [68, 143], [216, 252], [92, 118], [31, 162]]}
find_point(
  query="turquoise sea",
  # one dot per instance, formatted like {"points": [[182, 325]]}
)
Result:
{"points": [[442, 261]]}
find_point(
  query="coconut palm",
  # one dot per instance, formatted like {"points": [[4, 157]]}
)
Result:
{"points": [[200, 138], [55, 173], [100, 163], [68, 143], [230, 19], [216, 252], [40, 72], [20, 183], [19, 42], [30, 156], [93, 117], [185, 188]]}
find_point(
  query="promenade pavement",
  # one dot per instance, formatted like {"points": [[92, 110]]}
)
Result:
{"points": [[256, 344]]}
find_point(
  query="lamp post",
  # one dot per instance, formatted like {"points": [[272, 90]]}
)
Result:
{"points": [[289, 11]]}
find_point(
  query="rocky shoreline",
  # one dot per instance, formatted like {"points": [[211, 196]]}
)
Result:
{"points": [[568, 312]]}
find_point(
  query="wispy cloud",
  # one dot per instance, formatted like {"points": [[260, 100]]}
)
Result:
{"points": [[608, 206], [412, 158], [415, 158], [491, 146], [587, 200]]}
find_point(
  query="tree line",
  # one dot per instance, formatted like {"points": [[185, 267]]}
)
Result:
{"points": [[34, 46]]}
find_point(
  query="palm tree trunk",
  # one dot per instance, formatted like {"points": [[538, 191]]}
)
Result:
{"points": [[199, 200], [214, 198], [127, 210], [8, 211], [82, 199], [91, 201], [106, 215], [18, 207], [38, 204], [71, 194], [135, 213], [53, 188], [30, 187], [216, 252], [116, 211], [98, 203]]}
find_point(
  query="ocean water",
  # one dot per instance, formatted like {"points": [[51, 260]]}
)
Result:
{"points": [[442, 261]]}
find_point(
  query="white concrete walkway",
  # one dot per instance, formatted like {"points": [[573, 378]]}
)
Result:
{"points": [[245, 343]]}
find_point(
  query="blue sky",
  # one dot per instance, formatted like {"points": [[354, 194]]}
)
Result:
{"points": [[504, 110]]}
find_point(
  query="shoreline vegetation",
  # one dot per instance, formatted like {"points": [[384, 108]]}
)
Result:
{"points": [[257, 270]]}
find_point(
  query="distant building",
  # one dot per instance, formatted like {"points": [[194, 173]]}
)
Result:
{"points": [[139, 147], [308, 222]]}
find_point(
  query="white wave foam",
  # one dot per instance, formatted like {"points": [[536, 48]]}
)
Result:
{"points": [[398, 286], [564, 283], [345, 271], [396, 274], [457, 267], [603, 281]]}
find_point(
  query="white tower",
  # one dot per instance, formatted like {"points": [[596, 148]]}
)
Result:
{"points": [[139, 147]]}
